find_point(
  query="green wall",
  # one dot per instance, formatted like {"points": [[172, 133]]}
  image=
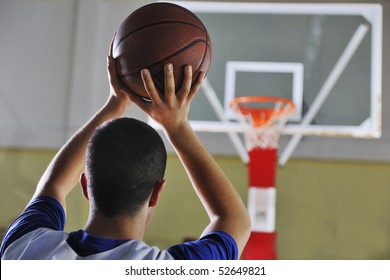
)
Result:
{"points": [[325, 209], [334, 210], [20, 171]]}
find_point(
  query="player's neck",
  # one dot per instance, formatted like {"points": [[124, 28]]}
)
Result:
{"points": [[118, 228]]}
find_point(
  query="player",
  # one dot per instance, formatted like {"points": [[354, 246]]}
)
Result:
{"points": [[124, 163]]}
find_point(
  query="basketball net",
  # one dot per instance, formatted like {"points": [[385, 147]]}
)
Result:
{"points": [[264, 124]]}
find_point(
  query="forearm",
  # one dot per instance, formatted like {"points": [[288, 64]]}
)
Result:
{"points": [[64, 171], [219, 197]]}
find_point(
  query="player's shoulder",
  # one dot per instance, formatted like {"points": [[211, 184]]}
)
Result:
{"points": [[38, 244]]}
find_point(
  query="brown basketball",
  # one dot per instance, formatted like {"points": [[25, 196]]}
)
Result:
{"points": [[157, 34]]}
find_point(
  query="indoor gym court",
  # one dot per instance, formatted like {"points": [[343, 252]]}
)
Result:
{"points": [[332, 181]]}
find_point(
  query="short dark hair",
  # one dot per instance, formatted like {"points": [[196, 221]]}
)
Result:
{"points": [[125, 160]]}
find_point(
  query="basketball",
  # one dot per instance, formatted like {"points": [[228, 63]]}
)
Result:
{"points": [[157, 34]]}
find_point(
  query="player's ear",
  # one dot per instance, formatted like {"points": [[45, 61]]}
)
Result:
{"points": [[84, 183], [156, 193]]}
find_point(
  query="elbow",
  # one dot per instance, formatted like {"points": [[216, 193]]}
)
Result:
{"points": [[247, 225]]}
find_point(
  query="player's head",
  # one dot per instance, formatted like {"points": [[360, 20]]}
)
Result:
{"points": [[125, 160]]}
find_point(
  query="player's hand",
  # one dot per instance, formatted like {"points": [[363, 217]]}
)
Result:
{"points": [[119, 93], [169, 109]]}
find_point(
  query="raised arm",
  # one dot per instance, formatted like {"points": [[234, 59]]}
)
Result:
{"points": [[64, 171], [217, 194]]}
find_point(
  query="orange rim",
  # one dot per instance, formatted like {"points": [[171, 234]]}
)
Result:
{"points": [[261, 116]]}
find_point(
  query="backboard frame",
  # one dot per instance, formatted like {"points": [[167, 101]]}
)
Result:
{"points": [[372, 13]]}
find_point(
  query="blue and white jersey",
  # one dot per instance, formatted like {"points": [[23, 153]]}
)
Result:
{"points": [[38, 233]]}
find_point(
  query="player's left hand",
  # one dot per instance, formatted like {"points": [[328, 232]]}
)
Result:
{"points": [[119, 93]]}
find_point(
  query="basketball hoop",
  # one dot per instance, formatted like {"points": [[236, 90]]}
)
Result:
{"points": [[265, 118]]}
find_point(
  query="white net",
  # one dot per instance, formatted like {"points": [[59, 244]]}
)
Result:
{"points": [[266, 135]]}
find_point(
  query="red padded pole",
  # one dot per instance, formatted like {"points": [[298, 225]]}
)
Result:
{"points": [[261, 204]]}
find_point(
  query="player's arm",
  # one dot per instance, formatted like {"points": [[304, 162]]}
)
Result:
{"points": [[219, 197], [64, 171]]}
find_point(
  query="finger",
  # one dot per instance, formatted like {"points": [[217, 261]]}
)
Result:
{"points": [[186, 86], [169, 81], [110, 68], [113, 78], [111, 45], [196, 86], [149, 85], [112, 73]]}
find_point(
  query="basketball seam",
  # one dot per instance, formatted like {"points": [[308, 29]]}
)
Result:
{"points": [[156, 23], [204, 54], [188, 12], [168, 57]]}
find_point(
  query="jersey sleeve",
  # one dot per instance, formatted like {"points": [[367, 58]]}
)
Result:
{"points": [[217, 245], [41, 212]]}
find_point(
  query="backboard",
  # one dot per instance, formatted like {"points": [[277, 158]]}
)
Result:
{"points": [[325, 57]]}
